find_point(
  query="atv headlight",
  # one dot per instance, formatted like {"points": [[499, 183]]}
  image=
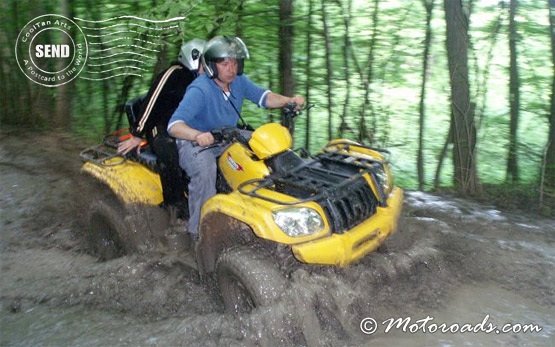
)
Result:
{"points": [[298, 221], [383, 176]]}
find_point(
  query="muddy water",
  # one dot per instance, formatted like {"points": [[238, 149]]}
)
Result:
{"points": [[474, 305], [79, 326], [453, 261]]}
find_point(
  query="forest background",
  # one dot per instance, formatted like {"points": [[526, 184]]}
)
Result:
{"points": [[460, 92]]}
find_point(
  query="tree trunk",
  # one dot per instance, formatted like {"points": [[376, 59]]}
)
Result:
{"points": [[550, 157], [308, 73], [429, 6], [514, 97], [62, 116], [364, 134], [32, 104], [9, 86], [270, 77], [327, 54], [464, 131], [240, 19], [343, 126], [106, 90], [442, 155], [286, 81]]}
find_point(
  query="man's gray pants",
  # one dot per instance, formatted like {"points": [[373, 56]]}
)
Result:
{"points": [[200, 165]]}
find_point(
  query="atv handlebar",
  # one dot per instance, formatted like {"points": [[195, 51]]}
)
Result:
{"points": [[228, 134], [291, 109], [290, 112], [224, 136], [233, 134]]}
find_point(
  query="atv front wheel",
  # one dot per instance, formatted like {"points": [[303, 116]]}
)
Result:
{"points": [[106, 225], [248, 279]]}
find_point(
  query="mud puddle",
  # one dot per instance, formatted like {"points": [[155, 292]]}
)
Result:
{"points": [[484, 309], [452, 260]]}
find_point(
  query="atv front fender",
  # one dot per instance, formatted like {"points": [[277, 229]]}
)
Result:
{"points": [[257, 214], [324, 247], [130, 181], [344, 249]]}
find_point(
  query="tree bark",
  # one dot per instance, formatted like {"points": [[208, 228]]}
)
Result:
{"points": [[347, 16], [240, 19], [308, 73], [327, 54], [364, 133], [442, 155], [550, 157], [62, 116], [464, 131], [429, 6], [286, 81], [514, 97]]}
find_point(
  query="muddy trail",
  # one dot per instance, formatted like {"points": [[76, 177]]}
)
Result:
{"points": [[453, 261]]}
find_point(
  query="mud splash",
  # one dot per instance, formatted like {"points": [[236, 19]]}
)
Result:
{"points": [[453, 260]]}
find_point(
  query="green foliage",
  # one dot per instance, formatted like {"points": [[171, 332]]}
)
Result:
{"points": [[391, 114]]}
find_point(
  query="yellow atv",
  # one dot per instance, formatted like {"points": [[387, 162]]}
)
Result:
{"points": [[276, 209]]}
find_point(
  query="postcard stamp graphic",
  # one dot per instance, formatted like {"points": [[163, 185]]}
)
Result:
{"points": [[51, 50]]}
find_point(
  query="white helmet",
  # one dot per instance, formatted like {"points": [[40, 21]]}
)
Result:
{"points": [[190, 53]]}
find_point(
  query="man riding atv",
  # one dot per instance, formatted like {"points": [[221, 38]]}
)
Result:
{"points": [[273, 210], [214, 100]]}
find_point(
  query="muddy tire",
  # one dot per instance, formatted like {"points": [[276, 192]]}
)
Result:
{"points": [[106, 227], [247, 279]]}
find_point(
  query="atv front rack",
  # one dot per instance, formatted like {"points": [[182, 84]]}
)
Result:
{"points": [[336, 181], [101, 155], [347, 144]]}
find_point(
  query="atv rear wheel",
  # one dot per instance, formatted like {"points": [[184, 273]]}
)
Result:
{"points": [[247, 279], [106, 225]]}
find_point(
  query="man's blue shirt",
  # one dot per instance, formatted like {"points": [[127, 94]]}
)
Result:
{"points": [[205, 106]]}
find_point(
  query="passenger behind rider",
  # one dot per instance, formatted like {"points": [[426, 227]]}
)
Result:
{"points": [[162, 99], [214, 100]]}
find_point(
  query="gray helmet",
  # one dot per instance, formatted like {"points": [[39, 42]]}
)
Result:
{"points": [[190, 54], [221, 47]]}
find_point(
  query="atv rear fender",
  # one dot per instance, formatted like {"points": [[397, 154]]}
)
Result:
{"points": [[130, 181]]}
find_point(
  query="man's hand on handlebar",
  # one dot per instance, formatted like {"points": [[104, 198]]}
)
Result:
{"points": [[298, 101], [204, 139]]}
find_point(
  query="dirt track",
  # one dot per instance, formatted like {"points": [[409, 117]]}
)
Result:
{"points": [[454, 260]]}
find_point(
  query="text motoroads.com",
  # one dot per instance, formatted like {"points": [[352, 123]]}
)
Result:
{"points": [[370, 326]]}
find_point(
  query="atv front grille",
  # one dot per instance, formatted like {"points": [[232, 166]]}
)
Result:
{"points": [[338, 183], [347, 200], [350, 206], [340, 188]]}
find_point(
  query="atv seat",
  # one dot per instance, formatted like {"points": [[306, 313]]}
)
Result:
{"points": [[133, 109], [147, 158]]}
